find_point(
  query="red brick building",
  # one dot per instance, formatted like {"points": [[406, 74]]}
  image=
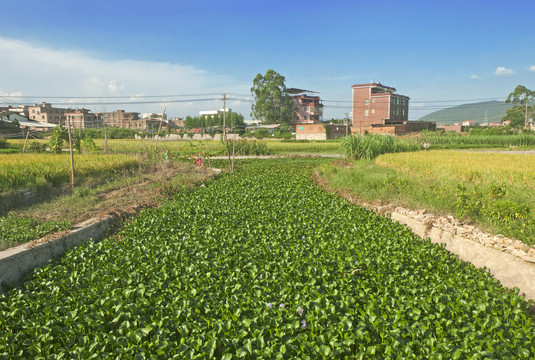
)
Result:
{"points": [[376, 105], [308, 107]]}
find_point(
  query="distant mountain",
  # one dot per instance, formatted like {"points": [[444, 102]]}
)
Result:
{"points": [[475, 112]]}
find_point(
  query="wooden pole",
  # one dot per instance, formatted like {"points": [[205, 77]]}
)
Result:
{"points": [[224, 131], [72, 156], [26, 140], [158, 135], [224, 118], [105, 142]]}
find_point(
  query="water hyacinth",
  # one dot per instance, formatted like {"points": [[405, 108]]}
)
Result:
{"points": [[129, 300], [300, 311], [183, 238]]}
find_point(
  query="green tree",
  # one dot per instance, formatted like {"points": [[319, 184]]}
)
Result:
{"points": [[522, 95], [59, 135], [516, 116], [272, 104]]}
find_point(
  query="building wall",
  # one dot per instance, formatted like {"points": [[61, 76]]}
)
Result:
{"points": [[319, 131], [82, 119], [451, 128], [396, 129], [118, 118], [44, 112], [376, 104]]}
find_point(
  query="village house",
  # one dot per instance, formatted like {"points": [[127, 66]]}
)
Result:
{"points": [[120, 119], [46, 113], [377, 109], [82, 119], [308, 106]]}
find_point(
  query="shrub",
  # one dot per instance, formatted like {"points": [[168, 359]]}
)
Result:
{"points": [[370, 146], [3, 143]]}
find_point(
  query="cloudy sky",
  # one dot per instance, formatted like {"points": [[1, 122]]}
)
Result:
{"points": [[147, 56]]}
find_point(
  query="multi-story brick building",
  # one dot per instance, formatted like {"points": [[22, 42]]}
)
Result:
{"points": [[44, 112], [375, 104], [118, 118], [82, 119], [308, 107]]}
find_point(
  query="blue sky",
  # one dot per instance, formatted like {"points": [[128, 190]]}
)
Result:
{"points": [[432, 51]]}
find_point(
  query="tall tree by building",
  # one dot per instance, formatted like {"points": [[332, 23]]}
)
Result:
{"points": [[272, 104], [521, 95]]}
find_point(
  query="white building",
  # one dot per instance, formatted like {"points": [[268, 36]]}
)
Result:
{"points": [[214, 112]]}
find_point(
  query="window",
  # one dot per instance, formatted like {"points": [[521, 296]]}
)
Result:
{"points": [[373, 111], [366, 101], [373, 100], [366, 112]]}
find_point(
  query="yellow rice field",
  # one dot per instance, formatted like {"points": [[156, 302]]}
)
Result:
{"points": [[26, 170], [464, 165]]}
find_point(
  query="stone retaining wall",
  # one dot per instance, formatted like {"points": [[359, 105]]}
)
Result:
{"points": [[510, 261]]}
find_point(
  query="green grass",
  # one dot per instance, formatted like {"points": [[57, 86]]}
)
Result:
{"points": [[370, 146], [15, 229], [467, 141]]}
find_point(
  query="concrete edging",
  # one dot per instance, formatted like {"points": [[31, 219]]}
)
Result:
{"points": [[511, 270], [18, 261]]}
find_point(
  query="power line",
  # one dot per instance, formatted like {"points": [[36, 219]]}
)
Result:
{"points": [[103, 97], [136, 102]]}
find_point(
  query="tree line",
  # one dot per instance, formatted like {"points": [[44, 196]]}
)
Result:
{"points": [[205, 122]]}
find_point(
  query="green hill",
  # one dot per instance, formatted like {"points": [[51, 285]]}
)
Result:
{"points": [[475, 112]]}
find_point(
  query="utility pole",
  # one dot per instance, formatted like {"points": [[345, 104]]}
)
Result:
{"points": [[156, 142], [347, 124], [526, 123], [26, 139]]}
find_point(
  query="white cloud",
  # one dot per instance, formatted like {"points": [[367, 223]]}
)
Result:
{"points": [[532, 68], [502, 70], [37, 70], [475, 77], [417, 105]]}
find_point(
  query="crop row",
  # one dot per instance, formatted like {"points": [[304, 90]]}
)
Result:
{"points": [[263, 264]]}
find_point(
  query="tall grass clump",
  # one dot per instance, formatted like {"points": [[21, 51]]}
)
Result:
{"points": [[370, 146], [246, 147], [476, 140]]}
